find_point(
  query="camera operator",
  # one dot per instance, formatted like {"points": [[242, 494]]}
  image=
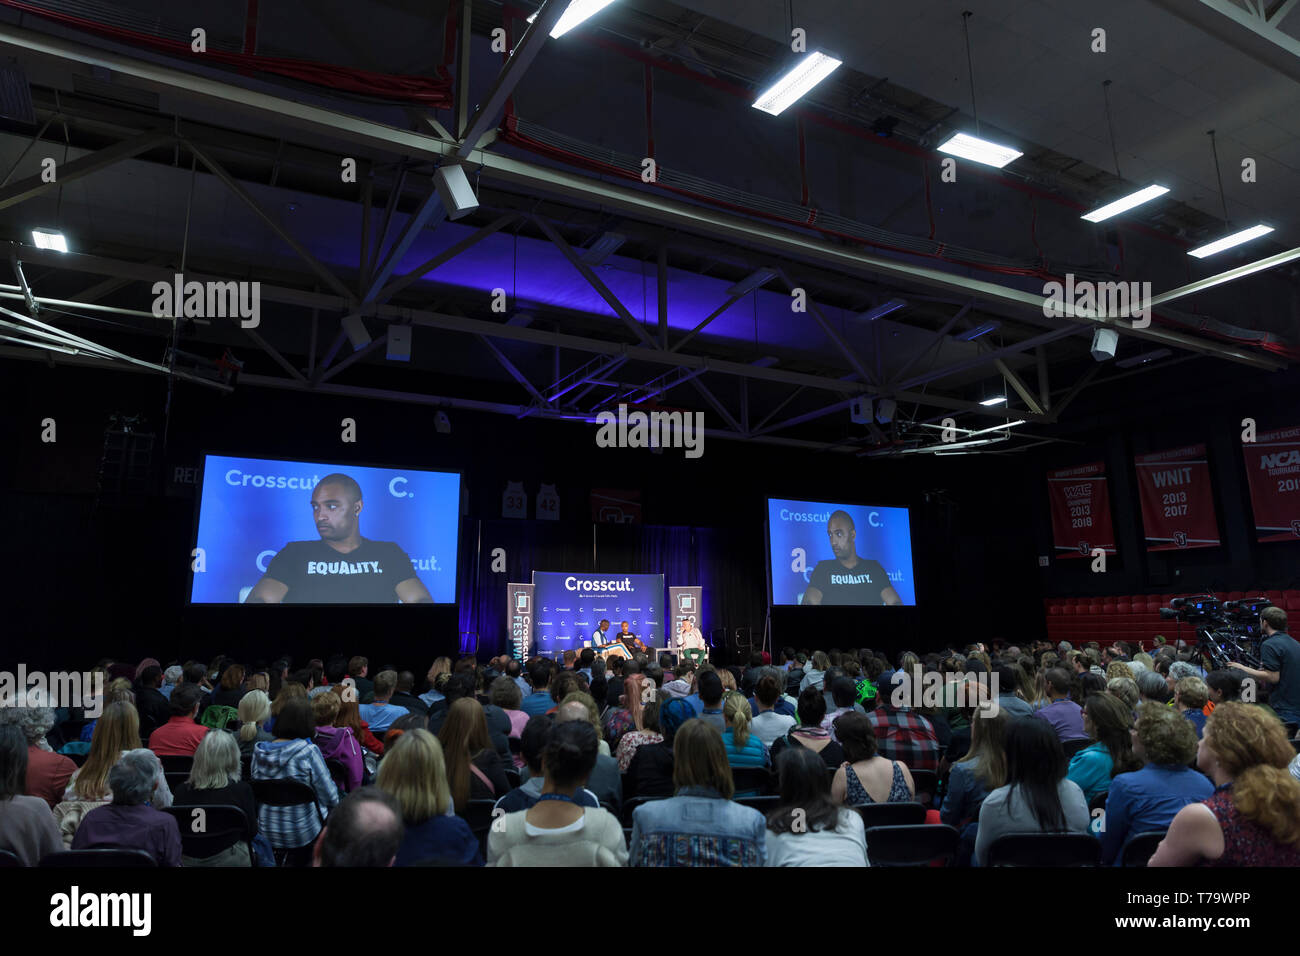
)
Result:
{"points": [[1280, 659]]}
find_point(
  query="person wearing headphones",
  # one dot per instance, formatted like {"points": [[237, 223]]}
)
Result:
{"points": [[342, 567]]}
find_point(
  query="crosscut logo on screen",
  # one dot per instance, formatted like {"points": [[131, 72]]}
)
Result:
{"points": [[242, 479], [572, 583], [53, 689], [821, 517]]}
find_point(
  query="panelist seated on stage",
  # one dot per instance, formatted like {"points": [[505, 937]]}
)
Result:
{"points": [[689, 637], [599, 636], [628, 639]]}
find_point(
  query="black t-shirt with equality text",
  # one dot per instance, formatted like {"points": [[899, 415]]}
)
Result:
{"points": [[317, 574], [859, 585]]}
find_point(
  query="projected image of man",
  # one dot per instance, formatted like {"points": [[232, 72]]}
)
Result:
{"points": [[342, 567], [848, 579]]}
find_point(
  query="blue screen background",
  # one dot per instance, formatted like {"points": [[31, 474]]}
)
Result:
{"points": [[241, 527], [890, 544], [565, 619]]}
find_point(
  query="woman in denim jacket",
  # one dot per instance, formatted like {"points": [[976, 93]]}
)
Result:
{"points": [[700, 826]]}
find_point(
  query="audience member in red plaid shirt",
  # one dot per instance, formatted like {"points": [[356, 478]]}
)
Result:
{"points": [[904, 735]]}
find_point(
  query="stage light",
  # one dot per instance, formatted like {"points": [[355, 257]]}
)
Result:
{"points": [[356, 332], [399, 343], [988, 402], [1104, 343], [1126, 203], [751, 282], [979, 150], [577, 13], [455, 191], [605, 246], [50, 239], [893, 305], [805, 75], [971, 334], [1227, 242]]}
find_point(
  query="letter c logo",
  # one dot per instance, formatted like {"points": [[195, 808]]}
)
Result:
{"points": [[392, 487], [873, 519], [261, 560]]}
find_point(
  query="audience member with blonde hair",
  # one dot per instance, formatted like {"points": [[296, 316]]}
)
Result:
{"points": [[414, 771], [214, 781], [1253, 817], [254, 712], [1190, 698], [744, 748]]}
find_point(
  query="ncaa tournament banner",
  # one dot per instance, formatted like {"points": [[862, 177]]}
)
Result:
{"points": [[1273, 469], [1080, 504], [1177, 500], [251, 508], [520, 613], [569, 608], [684, 605]]}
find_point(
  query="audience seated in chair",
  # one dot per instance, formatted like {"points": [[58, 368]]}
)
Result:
{"points": [[214, 781], [129, 822], [180, 736], [48, 773], [415, 773], [809, 827], [865, 777], [557, 830], [293, 755], [27, 825], [364, 830]]}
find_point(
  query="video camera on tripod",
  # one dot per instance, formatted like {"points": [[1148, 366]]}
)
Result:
{"points": [[1226, 631]]}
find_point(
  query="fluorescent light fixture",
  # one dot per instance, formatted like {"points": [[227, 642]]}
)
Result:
{"points": [[1144, 359], [994, 401], [807, 73], [50, 239], [972, 334], [1227, 242], [577, 12], [1126, 203], [751, 282], [893, 305], [605, 246], [979, 150]]}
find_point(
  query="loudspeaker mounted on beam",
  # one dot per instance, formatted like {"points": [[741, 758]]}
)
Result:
{"points": [[1104, 342], [455, 191]]}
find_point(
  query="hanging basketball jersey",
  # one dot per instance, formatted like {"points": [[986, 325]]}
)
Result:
{"points": [[548, 504], [514, 503]]}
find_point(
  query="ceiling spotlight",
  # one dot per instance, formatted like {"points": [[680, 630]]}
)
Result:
{"points": [[751, 282], [979, 150], [972, 334], [1227, 242], [807, 73], [1126, 203], [604, 247], [50, 239], [893, 305]]}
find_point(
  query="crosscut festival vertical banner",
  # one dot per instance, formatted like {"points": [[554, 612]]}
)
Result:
{"points": [[1273, 470], [520, 613], [1177, 499], [684, 605], [1080, 505], [570, 606]]}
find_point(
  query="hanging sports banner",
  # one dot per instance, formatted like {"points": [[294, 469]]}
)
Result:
{"points": [[1177, 500], [1273, 469], [520, 613], [1080, 511]]}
